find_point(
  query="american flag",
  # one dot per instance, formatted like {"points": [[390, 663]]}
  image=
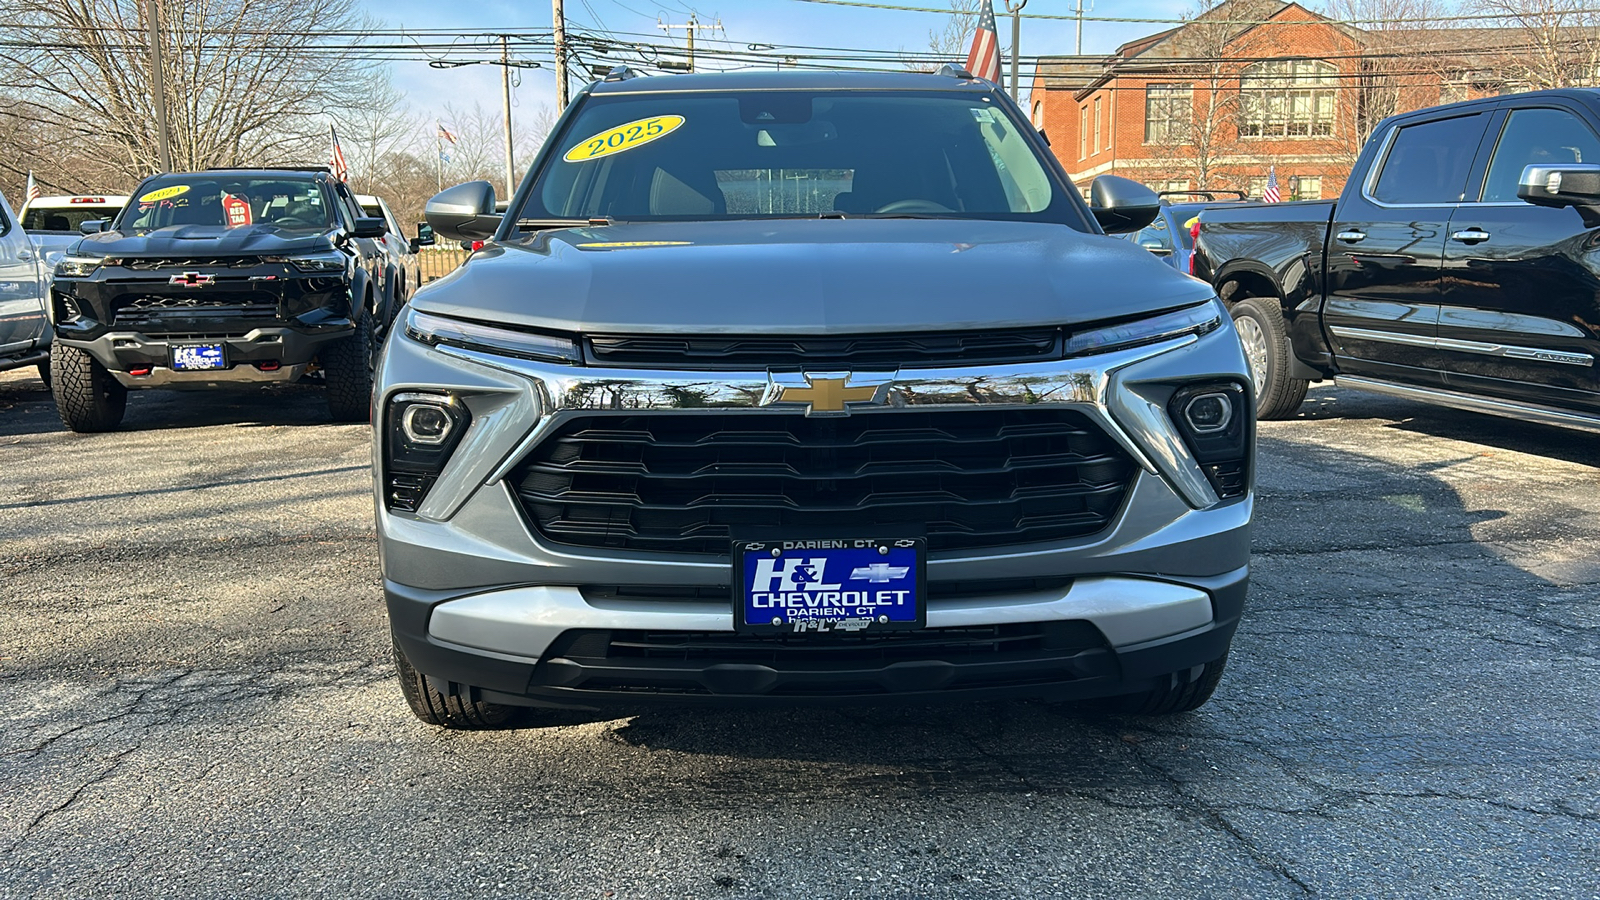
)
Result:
{"points": [[445, 133], [33, 187], [984, 60], [341, 170], [1271, 195]]}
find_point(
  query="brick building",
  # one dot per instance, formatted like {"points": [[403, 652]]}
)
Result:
{"points": [[1248, 85]]}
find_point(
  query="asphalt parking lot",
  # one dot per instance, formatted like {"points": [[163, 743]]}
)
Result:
{"points": [[198, 700]]}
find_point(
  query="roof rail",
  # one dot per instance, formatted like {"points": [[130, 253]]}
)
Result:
{"points": [[268, 169], [620, 73], [951, 70]]}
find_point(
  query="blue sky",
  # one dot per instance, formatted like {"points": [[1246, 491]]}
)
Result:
{"points": [[745, 21]]}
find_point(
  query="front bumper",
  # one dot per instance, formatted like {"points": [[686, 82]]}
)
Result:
{"points": [[285, 352], [478, 598]]}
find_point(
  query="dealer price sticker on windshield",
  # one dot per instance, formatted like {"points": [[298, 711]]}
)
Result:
{"points": [[844, 586], [624, 137]]}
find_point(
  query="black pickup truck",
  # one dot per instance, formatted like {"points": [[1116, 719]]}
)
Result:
{"points": [[1461, 266]]}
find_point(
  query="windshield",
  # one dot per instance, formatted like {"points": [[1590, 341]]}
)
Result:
{"points": [[202, 199], [739, 155], [66, 219]]}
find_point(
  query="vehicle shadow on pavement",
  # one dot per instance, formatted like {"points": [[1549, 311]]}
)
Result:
{"points": [[26, 407]]}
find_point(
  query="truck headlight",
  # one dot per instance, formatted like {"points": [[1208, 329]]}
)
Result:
{"points": [[77, 266], [421, 431], [331, 261], [433, 329], [1201, 319], [1217, 422]]}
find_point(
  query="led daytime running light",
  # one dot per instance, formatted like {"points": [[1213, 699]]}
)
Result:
{"points": [[1197, 320], [432, 329]]}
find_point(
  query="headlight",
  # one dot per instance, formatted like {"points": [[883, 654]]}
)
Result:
{"points": [[1192, 320], [77, 266], [432, 329], [332, 261]]}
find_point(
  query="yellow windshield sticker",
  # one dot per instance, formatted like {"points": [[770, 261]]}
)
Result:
{"points": [[624, 137], [166, 193], [623, 245]]}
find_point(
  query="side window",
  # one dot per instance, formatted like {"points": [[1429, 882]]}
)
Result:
{"points": [[1429, 162], [346, 206], [1535, 137]]}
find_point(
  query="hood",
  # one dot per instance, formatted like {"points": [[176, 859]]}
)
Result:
{"points": [[809, 276], [205, 240]]}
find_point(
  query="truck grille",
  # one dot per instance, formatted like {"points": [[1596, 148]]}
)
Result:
{"points": [[860, 351], [148, 263], [689, 483]]}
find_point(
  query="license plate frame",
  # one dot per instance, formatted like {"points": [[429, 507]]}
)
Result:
{"points": [[204, 356], [881, 570]]}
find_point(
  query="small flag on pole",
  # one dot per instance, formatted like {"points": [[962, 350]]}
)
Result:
{"points": [[341, 170], [445, 133], [33, 187], [984, 59], [1271, 195]]}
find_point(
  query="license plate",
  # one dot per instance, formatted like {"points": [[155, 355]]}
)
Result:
{"points": [[198, 357], [846, 586]]}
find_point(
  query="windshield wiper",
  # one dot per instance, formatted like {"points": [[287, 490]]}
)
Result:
{"points": [[544, 224]]}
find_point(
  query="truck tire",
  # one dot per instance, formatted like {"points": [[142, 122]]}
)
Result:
{"points": [[1259, 321], [87, 397], [347, 367], [452, 708], [1176, 696]]}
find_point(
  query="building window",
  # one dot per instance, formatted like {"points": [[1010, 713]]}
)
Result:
{"points": [[1310, 188], [1288, 98], [1038, 113], [1097, 124], [1257, 187], [1171, 184], [1083, 132], [1168, 110]]}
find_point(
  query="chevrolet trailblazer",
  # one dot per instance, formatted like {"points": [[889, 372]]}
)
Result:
{"points": [[802, 388]]}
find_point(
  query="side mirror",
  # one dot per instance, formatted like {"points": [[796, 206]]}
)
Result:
{"points": [[424, 237], [1570, 184], [93, 226], [370, 228], [1154, 245], [1122, 205], [465, 212]]}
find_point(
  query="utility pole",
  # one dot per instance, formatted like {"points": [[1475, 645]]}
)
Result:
{"points": [[505, 85], [693, 26], [158, 87], [1016, 41], [559, 17], [1079, 16]]}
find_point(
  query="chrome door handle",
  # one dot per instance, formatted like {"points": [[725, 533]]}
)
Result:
{"points": [[24, 254], [1351, 237], [1470, 236]]}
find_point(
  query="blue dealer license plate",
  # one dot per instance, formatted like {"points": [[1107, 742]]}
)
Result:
{"points": [[845, 585], [198, 357]]}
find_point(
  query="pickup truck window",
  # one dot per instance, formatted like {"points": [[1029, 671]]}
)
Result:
{"points": [[736, 155], [1428, 163], [1534, 137]]}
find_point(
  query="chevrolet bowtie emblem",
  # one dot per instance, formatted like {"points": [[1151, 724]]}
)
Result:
{"points": [[191, 279], [827, 394]]}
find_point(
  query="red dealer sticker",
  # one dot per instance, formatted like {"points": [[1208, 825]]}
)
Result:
{"points": [[237, 211]]}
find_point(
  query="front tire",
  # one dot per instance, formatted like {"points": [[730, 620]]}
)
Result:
{"points": [[1261, 328], [347, 366], [87, 397], [454, 707]]}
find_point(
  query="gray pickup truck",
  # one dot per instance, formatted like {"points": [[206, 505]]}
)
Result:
{"points": [[808, 388]]}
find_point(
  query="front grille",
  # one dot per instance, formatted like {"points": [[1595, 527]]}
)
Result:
{"points": [[926, 661], [211, 304], [191, 262], [687, 482], [860, 351]]}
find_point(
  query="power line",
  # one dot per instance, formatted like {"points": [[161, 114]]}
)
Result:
{"points": [[1481, 17]]}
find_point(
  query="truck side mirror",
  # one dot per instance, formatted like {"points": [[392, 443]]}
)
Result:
{"points": [[1122, 205], [464, 212], [370, 228], [93, 226], [424, 237], [1569, 184]]}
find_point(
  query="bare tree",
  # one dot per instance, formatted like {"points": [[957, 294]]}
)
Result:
{"points": [[479, 150], [949, 44], [247, 82], [1557, 42]]}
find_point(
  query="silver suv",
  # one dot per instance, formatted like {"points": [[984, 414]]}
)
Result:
{"points": [[799, 388]]}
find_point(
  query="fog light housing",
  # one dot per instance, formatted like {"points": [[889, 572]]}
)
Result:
{"points": [[1217, 422], [422, 430]]}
